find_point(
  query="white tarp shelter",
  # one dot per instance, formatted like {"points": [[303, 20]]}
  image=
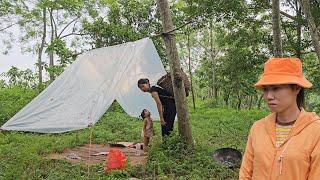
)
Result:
{"points": [[87, 88]]}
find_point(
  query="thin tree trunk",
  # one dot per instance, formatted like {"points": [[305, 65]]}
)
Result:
{"points": [[212, 93], [299, 30], [184, 126], [239, 101], [259, 101], [305, 4], [216, 92], [206, 56], [213, 62], [276, 28], [44, 19], [190, 73], [51, 57], [226, 98], [250, 102]]}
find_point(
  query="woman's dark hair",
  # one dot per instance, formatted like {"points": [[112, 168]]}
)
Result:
{"points": [[143, 81], [143, 114], [300, 97]]}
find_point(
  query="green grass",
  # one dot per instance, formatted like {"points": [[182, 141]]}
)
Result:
{"points": [[23, 155], [12, 100]]}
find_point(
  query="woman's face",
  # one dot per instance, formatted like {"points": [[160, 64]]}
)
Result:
{"points": [[280, 97], [144, 87]]}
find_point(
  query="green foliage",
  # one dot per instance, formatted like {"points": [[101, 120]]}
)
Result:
{"points": [[59, 47], [242, 38], [240, 44], [311, 67], [3, 84], [237, 63], [212, 129], [104, 34], [23, 155], [12, 100], [25, 78], [127, 20], [175, 160]]}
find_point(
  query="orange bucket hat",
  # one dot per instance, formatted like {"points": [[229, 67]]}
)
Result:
{"points": [[283, 71]]}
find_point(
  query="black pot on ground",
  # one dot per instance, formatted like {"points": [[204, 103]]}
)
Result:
{"points": [[228, 157]]}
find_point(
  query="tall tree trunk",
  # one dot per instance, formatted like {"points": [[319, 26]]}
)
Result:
{"points": [[51, 57], [226, 98], [208, 95], [259, 101], [299, 30], [184, 126], [216, 92], [250, 101], [276, 27], [44, 19], [213, 58], [190, 74], [305, 4], [239, 101]]}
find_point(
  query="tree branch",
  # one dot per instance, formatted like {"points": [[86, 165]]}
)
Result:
{"points": [[53, 22], [302, 21], [67, 26], [75, 54], [75, 34], [175, 29], [292, 5], [307, 52], [212, 53], [8, 27], [288, 16]]}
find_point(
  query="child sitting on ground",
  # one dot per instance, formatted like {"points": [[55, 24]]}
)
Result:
{"points": [[147, 128]]}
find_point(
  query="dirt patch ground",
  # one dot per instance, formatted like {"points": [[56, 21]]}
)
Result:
{"points": [[98, 154]]}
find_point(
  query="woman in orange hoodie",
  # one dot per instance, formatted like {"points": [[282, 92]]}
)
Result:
{"points": [[285, 144]]}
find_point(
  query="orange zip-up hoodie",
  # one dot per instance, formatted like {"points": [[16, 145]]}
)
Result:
{"points": [[298, 158]]}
